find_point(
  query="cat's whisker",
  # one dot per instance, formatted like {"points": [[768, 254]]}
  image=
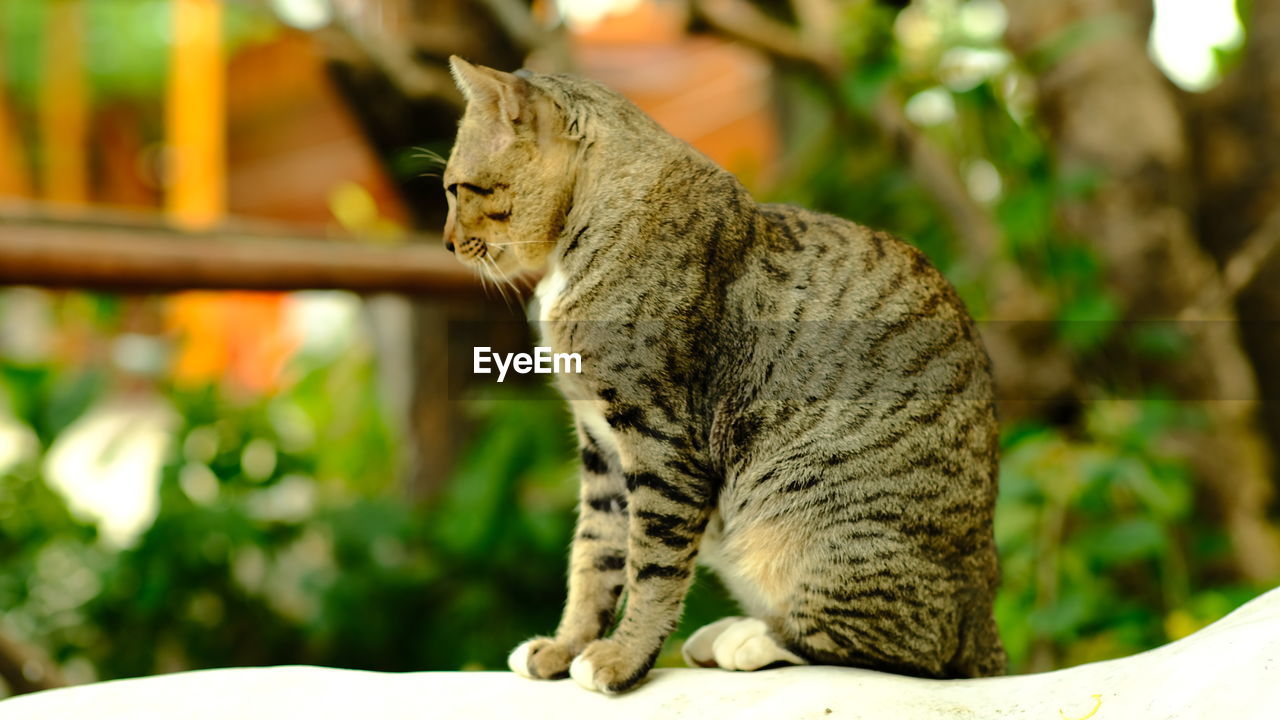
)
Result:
{"points": [[518, 242], [501, 276], [525, 283], [498, 277], [511, 283], [519, 283], [484, 282], [502, 292], [435, 158]]}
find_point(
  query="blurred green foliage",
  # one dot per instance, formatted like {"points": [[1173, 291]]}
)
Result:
{"points": [[127, 44], [347, 574], [1103, 553]]}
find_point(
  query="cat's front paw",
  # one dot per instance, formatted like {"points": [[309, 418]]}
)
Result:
{"points": [[542, 658], [608, 666]]}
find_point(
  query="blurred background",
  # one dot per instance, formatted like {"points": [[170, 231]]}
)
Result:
{"points": [[231, 432]]}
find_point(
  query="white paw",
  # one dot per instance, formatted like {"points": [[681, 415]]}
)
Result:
{"points": [[697, 650], [584, 673], [518, 660], [747, 645]]}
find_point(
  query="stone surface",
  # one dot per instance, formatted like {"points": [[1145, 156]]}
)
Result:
{"points": [[1230, 669]]}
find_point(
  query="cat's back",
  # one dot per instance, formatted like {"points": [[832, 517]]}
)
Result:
{"points": [[811, 267], [837, 321]]}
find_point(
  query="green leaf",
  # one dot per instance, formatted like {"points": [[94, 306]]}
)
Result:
{"points": [[1126, 541], [1088, 321]]}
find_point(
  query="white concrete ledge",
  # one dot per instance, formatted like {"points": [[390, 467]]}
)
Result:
{"points": [[1227, 671]]}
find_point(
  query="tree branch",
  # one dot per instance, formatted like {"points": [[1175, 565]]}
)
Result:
{"points": [[547, 49], [394, 57], [818, 23], [1238, 271], [937, 174], [26, 669], [517, 21], [740, 20]]}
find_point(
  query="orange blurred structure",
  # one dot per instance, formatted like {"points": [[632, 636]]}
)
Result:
{"points": [[709, 92], [195, 117], [241, 337], [64, 107], [292, 141]]}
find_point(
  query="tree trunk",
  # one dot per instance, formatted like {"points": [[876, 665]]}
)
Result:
{"points": [[1236, 132], [1109, 110]]}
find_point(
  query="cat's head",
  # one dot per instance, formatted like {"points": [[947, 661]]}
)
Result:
{"points": [[510, 176]]}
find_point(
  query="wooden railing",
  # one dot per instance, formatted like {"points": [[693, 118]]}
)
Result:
{"points": [[116, 252]]}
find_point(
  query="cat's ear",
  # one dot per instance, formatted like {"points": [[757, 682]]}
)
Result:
{"points": [[505, 94]]}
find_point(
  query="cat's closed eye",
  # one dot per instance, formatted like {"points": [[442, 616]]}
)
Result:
{"points": [[481, 191]]}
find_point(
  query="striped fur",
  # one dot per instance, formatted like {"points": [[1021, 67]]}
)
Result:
{"points": [[800, 402]]}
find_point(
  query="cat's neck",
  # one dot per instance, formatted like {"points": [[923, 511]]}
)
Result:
{"points": [[625, 182]]}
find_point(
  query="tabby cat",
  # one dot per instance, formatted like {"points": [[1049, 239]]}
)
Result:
{"points": [[800, 402]]}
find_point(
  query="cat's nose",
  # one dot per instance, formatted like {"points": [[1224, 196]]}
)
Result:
{"points": [[448, 230]]}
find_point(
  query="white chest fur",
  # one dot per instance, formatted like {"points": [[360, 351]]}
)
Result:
{"points": [[548, 293], [589, 413]]}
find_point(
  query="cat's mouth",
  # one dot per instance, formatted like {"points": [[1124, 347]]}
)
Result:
{"points": [[482, 255], [472, 249], [500, 261], [493, 262]]}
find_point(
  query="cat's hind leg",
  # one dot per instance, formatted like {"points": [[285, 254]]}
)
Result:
{"points": [[737, 643], [699, 649]]}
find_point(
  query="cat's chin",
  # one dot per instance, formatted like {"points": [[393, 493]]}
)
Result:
{"points": [[513, 267], [503, 269]]}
